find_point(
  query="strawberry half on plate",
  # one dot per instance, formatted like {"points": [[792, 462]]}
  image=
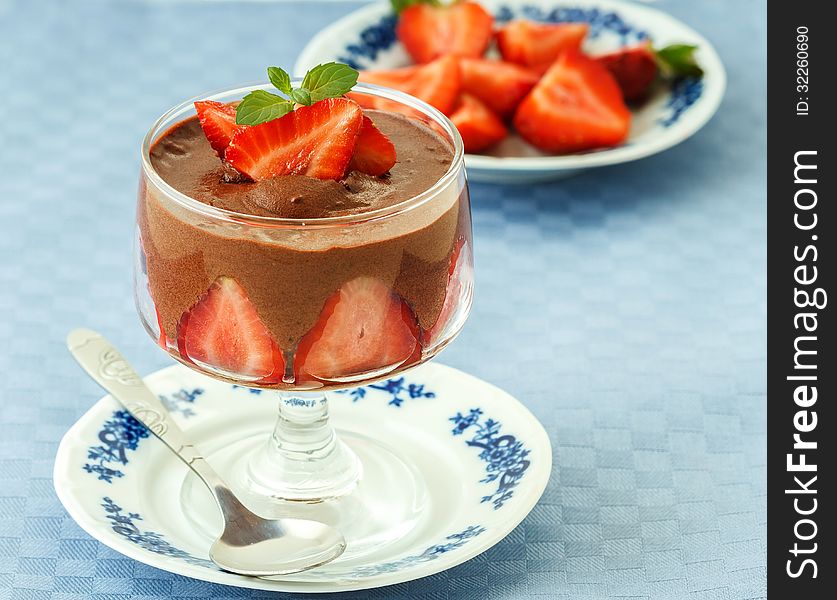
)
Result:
{"points": [[479, 127], [577, 105], [538, 44], [317, 141], [429, 30], [500, 85], [364, 327], [635, 70], [437, 83], [223, 331]]}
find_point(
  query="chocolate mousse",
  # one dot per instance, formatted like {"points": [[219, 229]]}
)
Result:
{"points": [[293, 277], [186, 161]]}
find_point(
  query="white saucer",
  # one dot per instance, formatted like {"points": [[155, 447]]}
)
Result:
{"points": [[366, 39], [485, 461]]}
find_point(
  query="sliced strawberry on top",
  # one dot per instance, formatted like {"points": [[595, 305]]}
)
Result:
{"points": [[634, 69], [374, 152], [500, 85], [538, 44], [577, 105], [437, 83], [430, 31], [218, 123], [479, 127], [223, 331], [460, 276], [363, 327], [316, 141]]}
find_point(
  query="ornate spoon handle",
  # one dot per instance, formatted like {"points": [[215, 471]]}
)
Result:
{"points": [[110, 370]]}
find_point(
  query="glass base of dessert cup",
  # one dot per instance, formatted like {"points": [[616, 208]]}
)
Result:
{"points": [[305, 468]]}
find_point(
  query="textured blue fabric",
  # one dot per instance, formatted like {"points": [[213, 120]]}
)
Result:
{"points": [[626, 307]]}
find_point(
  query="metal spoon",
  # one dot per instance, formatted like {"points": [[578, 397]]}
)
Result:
{"points": [[249, 544]]}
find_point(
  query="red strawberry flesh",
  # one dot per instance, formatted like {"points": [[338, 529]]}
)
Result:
{"points": [[223, 331], [363, 327], [538, 44], [461, 29], [317, 141], [459, 275], [374, 152], [635, 70], [498, 84], [218, 123], [479, 127], [437, 83], [577, 105]]}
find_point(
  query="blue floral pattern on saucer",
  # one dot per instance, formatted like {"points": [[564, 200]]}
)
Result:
{"points": [[124, 524], [394, 388], [122, 433], [505, 456], [452, 542], [684, 93], [118, 435], [426, 402]]}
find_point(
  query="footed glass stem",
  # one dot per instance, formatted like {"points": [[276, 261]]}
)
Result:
{"points": [[303, 460]]}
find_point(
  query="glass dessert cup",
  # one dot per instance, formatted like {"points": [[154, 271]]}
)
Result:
{"points": [[413, 259]]}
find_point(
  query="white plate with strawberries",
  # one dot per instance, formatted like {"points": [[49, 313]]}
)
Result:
{"points": [[539, 89]]}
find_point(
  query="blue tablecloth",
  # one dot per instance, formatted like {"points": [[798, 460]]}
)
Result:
{"points": [[626, 307]]}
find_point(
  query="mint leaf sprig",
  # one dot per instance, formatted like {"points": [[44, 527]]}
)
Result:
{"points": [[329, 80], [678, 60], [399, 5]]}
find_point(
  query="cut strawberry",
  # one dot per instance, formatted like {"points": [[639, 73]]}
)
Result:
{"points": [[459, 276], [374, 152], [500, 85], [430, 31], [218, 123], [538, 44], [223, 331], [363, 327], [437, 83], [577, 105], [478, 126], [316, 140], [634, 69]]}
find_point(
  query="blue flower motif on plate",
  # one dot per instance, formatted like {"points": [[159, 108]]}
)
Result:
{"points": [[505, 456], [684, 93], [373, 39], [255, 391], [124, 524], [182, 401], [395, 388], [122, 433], [452, 542]]}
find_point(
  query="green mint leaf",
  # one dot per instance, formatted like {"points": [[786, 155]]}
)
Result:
{"points": [[301, 96], [280, 79], [260, 106], [329, 80], [678, 60], [399, 5]]}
